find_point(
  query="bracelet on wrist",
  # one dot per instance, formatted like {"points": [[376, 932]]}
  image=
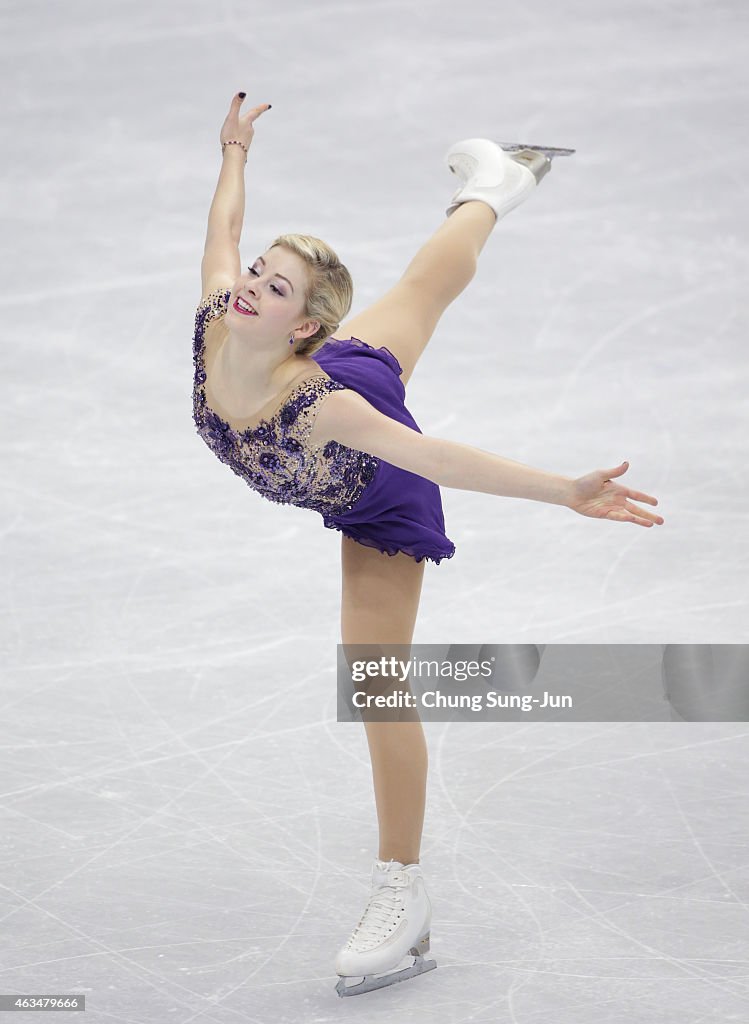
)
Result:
{"points": [[234, 142]]}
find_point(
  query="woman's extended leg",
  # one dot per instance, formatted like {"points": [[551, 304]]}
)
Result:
{"points": [[379, 602], [404, 319]]}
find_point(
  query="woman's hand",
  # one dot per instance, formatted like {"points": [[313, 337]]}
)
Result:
{"points": [[596, 496], [241, 127]]}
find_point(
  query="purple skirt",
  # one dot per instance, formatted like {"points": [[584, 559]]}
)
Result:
{"points": [[398, 510]]}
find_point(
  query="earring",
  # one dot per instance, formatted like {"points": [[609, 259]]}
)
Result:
{"points": [[291, 340]]}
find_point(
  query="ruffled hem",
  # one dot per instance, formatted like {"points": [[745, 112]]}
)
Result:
{"points": [[392, 551], [382, 348]]}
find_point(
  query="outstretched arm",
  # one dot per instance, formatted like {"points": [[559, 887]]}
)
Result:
{"points": [[221, 266], [348, 418]]}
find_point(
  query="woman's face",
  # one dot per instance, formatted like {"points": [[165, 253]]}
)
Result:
{"points": [[275, 285]]}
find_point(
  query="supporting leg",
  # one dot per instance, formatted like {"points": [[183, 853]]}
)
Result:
{"points": [[380, 599], [399, 757], [379, 604]]}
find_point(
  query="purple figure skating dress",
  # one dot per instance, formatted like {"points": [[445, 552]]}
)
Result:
{"points": [[370, 500]]}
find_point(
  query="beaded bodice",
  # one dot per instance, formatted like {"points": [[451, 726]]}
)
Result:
{"points": [[276, 457]]}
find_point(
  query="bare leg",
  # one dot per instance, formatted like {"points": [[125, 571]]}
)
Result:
{"points": [[446, 263], [399, 769], [381, 593], [404, 319], [380, 600]]}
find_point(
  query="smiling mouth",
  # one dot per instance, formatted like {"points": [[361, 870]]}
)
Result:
{"points": [[243, 311]]}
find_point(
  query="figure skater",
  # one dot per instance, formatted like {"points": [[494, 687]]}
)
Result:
{"points": [[310, 412]]}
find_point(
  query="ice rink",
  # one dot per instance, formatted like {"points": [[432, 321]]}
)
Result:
{"points": [[187, 830]]}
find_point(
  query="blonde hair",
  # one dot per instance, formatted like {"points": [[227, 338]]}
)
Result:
{"points": [[330, 292]]}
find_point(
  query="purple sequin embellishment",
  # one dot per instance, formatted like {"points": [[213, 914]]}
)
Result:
{"points": [[276, 458]]}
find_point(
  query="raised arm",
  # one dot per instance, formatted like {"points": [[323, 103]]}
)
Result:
{"points": [[348, 418], [221, 264]]}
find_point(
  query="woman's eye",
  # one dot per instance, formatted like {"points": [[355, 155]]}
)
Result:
{"points": [[276, 290]]}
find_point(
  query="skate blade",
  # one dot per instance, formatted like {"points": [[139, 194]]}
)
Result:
{"points": [[371, 982], [550, 151]]}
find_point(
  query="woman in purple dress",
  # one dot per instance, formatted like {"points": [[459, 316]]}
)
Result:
{"points": [[310, 411]]}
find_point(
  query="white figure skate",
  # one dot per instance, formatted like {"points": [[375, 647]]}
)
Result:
{"points": [[501, 174], [394, 925]]}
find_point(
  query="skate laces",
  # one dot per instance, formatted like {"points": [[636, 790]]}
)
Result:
{"points": [[378, 917]]}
